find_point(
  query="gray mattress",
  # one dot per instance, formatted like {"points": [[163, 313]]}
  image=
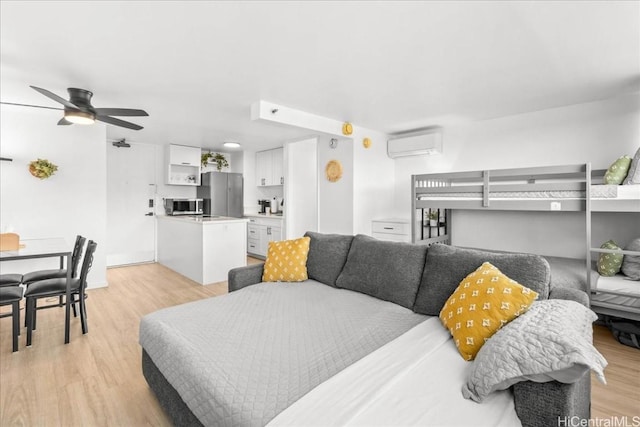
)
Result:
{"points": [[242, 358]]}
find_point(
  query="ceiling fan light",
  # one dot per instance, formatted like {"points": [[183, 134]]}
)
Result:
{"points": [[80, 117], [231, 144]]}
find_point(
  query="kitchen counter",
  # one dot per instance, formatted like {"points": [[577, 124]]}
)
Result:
{"points": [[199, 219], [261, 215], [203, 249]]}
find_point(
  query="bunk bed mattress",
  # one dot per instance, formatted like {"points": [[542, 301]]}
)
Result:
{"points": [[616, 191], [617, 283], [242, 358], [596, 192], [496, 195], [570, 273]]}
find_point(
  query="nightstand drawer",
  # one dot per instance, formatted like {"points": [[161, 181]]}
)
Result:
{"points": [[390, 227]]}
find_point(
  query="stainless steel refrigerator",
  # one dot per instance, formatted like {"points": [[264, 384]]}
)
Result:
{"points": [[222, 193]]}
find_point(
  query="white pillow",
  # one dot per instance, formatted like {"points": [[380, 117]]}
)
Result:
{"points": [[633, 176], [552, 341]]}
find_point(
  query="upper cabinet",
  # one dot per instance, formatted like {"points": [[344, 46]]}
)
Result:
{"points": [[278, 166], [184, 165], [270, 167]]}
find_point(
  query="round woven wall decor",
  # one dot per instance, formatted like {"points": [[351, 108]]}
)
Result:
{"points": [[333, 170]]}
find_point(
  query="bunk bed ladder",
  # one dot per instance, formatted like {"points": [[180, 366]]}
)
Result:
{"points": [[414, 219], [485, 188], [587, 215]]}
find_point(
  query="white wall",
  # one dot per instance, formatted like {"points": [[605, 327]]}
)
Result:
{"points": [[373, 180], [301, 188], [71, 202], [597, 132], [335, 199]]}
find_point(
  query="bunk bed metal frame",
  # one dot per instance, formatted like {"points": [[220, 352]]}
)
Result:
{"points": [[547, 188]]}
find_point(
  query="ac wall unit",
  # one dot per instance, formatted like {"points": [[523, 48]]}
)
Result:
{"points": [[425, 142]]}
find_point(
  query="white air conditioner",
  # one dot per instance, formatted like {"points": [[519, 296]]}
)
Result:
{"points": [[425, 142]]}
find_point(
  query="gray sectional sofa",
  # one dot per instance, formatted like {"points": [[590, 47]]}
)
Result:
{"points": [[407, 282]]}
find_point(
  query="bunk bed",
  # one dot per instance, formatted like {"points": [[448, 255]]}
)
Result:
{"points": [[567, 188]]}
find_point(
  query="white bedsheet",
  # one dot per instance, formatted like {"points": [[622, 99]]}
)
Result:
{"points": [[618, 283], [415, 380]]}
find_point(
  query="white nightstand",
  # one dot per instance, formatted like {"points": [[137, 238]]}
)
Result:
{"points": [[393, 229]]}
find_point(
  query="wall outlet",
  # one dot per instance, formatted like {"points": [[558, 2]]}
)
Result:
{"points": [[556, 206]]}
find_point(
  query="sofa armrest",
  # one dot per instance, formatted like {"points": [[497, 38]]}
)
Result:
{"points": [[241, 277], [569, 294], [553, 403]]}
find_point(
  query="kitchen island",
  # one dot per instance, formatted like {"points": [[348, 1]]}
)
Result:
{"points": [[203, 249]]}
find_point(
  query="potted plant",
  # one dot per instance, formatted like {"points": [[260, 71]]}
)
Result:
{"points": [[42, 168], [433, 218], [219, 159]]}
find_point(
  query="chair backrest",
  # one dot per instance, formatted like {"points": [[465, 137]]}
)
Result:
{"points": [[76, 255], [86, 264]]}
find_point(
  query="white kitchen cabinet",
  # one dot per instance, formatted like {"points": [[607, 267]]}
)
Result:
{"points": [[277, 161], [270, 167], [268, 234], [395, 230], [183, 165], [261, 231], [264, 168]]}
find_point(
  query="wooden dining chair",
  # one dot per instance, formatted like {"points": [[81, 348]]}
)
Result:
{"points": [[11, 295], [57, 287]]}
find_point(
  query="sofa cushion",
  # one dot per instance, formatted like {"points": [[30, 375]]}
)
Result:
{"points": [[327, 256], [618, 171], [390, 271], [286, 261], [484, 302], [610, 264], [446, 266]]}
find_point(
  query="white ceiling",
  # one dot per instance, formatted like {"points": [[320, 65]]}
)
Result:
{"points": [[196, 67]]}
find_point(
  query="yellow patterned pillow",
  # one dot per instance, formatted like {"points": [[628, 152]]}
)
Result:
{"points": [[485, 301], [287, 261]]}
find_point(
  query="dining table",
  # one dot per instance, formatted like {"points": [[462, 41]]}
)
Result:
{"points": [[55, 247]]}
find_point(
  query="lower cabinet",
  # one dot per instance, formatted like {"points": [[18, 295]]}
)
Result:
{"points": [[261, 231], [395, 230]]}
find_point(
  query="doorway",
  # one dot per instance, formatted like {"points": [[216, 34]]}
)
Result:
{"points": [[131, 189]]}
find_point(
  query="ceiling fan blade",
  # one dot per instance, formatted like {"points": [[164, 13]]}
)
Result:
{"points": [[118, 122], [64, 122], [120, 112], [54, 97], [30, 105]]}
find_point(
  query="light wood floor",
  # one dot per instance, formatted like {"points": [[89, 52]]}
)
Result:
{"points": [[96, 380]]}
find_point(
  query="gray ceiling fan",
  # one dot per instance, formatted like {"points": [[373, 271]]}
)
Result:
{"points": [[78, 109]]}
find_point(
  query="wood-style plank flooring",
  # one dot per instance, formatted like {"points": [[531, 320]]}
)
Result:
{"points": [[96, 380]]}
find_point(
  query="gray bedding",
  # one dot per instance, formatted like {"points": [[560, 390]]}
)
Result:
{"points": [[242, 358]]}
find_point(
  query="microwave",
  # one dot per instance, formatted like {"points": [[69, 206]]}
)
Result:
{"points": [[183, 206]]}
